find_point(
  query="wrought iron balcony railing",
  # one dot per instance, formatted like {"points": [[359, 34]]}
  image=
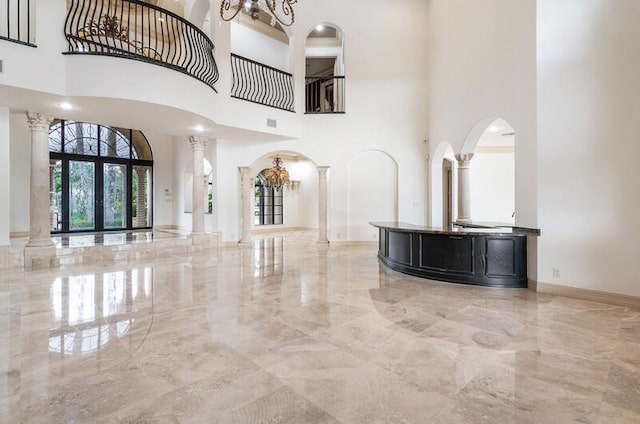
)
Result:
{"points": [[16, 21], [134, 29], [324, 94], [262, 84]]}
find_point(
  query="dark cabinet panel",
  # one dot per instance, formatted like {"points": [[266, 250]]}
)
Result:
{"points": [[451, 253], [400, 247], [501, 257]]}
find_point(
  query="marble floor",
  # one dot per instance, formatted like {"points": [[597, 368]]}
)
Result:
{"points": [[289, 332]]}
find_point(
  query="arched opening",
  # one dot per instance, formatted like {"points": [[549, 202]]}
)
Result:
{"points": [[297, 203], [492, 171], [443, 186], [324, 70], [101, 178]]}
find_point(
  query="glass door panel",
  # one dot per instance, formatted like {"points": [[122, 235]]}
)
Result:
{"points": [[82, 195], [55, 195], [141, 197], [114, 199]]}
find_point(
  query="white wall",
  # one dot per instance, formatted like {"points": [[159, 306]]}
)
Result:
{"points": [[492, 187], [483, 64], [372, 193], [5, 177], [20, 172], [162, 148], [256, 46], [588, 105], [386, 110]]}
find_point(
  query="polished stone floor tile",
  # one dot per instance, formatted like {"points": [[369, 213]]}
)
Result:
{"points": [[285, 331]]}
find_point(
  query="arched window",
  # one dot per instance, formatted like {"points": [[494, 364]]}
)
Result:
{"points": [[269, 206], [100, 177]]}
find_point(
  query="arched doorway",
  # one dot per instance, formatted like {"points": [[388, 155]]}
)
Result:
{"points": [[100, 178], [443, 181], [491, 143]]}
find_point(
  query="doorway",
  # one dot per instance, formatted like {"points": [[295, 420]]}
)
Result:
{"points": [[447, 193], [98, 180]]}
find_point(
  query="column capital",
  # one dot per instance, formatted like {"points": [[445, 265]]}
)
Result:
{"points": [[39, 121], [198, 142], [464, 159], [245, 171], [322, 170]]}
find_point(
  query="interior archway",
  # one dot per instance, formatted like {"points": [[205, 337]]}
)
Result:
{"points": [[443, 180], [299, 198], [492, 171]]}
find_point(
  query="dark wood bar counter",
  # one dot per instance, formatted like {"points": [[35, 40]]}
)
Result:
{"points": [[486, 256]]}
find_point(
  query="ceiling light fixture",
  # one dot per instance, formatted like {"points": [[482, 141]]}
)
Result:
{"points": [[276, 177], [280, 10], [66, 106], [199, 128]]}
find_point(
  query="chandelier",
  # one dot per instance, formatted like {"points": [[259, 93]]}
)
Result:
{"points": [[280, 10], [276, 177]]}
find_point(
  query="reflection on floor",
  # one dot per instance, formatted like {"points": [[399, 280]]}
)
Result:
{"points": [[288, 332]]}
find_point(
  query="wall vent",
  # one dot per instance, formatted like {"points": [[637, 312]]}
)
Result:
{"points": [[272, 123]]}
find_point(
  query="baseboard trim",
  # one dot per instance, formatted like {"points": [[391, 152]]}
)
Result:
{"points": [[532, 284], [19, 234], [347, 243], [587, 294]]}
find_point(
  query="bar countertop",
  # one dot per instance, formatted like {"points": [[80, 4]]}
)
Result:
{"points": [[473, 229]]}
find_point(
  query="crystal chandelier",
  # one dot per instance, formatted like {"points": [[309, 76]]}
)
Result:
{"points": [[280, 10], [276, 177]]}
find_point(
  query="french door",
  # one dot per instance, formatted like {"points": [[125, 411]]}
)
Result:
{"points": [[98, 194]]}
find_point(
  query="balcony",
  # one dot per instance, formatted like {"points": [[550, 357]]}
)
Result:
{"points": [[137, 30], [324, 94], [16, 21], [261, 84]]}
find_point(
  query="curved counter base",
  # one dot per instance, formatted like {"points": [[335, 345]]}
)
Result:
{"points": [[469, 256]]}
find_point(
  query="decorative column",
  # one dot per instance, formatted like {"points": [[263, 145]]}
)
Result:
{"points": [[246, 194], [141, 196], [322, 205], [464, 187], [197, 210], [39, 244]]}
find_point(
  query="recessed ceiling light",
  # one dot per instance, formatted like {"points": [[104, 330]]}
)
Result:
{"points": [[319, 27], [66, 106], [199, 128]]}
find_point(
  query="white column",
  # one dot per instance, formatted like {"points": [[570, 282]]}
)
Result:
{"points": [[39, 234], [464, 187], [198, 145], [39, 245], [322, 205], [5, 196], [247, 195]]}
